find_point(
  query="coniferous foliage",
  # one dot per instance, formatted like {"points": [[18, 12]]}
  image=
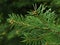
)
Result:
{"points": [[21, 25], [37, 28]]}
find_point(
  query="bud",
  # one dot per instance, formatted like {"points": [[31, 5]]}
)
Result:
{"points": [[34, 12], [11, 21]]}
